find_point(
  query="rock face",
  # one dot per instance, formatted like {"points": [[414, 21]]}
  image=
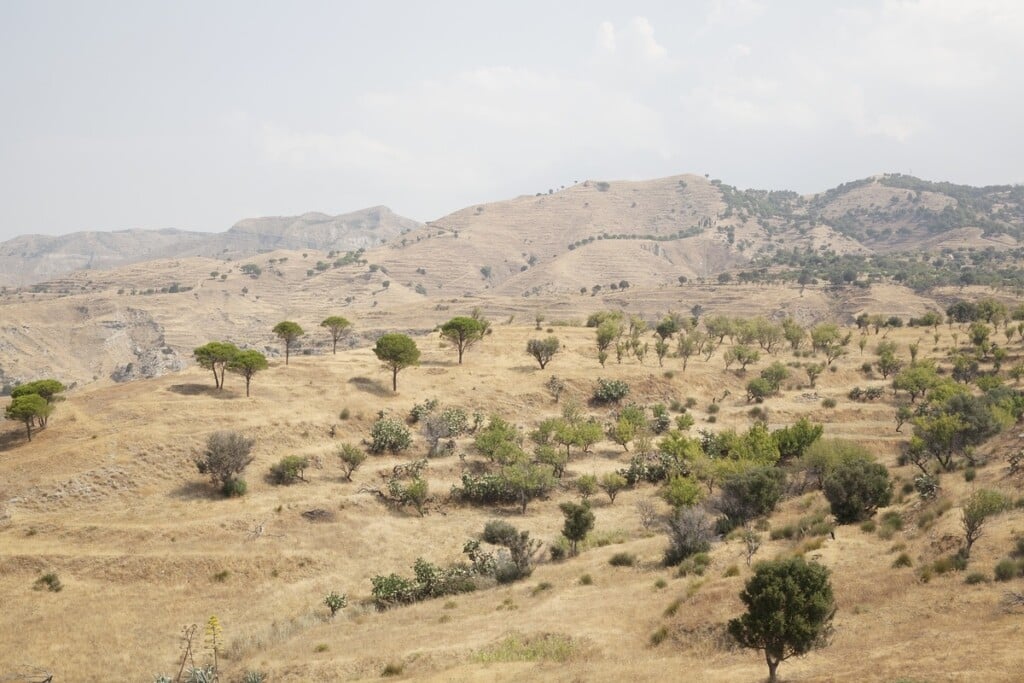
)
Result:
{"points": [[348, 232], [142, 339]]}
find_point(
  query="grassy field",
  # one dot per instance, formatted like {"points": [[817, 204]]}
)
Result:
{"points": [[107, 498]]}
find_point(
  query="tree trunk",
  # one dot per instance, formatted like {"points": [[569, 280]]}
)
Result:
{"points": [[394, 379], [334, 349], [287, 351], [216, 378], [773, 664], [223, 369], [247, 380], [460, 354], [28, 429]]}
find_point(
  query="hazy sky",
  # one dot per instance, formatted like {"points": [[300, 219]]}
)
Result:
{"points": [[197, 114]]}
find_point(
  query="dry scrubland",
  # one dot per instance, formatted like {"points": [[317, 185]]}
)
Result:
{"points": [[108, 498]]}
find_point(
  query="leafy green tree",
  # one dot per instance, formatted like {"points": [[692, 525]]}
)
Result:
{"points": [[289, 469], [543, 350], [47, 388], [527, 481], [338, 326], [579, 521], [793, 333], [215, 356], [750, 493], [916, 379], [795, 439], [790, 607], [744, 355], [351, 458], [828, 339], [30, 409], [856, 488], [682, 491], [289, 333], [463, 332], [612, 483], [247, 364], [981, 505], [397, 352], [607, 332]]}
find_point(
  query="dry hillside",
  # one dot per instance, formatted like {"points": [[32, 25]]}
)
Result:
{"points": [[107, 498]]}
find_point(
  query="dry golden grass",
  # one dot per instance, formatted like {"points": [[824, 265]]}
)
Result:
{"points": [[108, 499]]}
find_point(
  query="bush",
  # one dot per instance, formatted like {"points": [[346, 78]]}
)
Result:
{"points": [[828, 403], [289, 470], [50, 582], [855, 489], [227, 454], [622, 560], [690, 531], [236, 488], [1005, 569], [499, 532], [751, 493], [389, 434], [903, 560], [975, 578], [610, 390], [335, 601], [351, 458]]}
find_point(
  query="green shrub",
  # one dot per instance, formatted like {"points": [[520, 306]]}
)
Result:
{"points": [[975, 578], [1005, 569], [610, 390], [660, 583], [335, 601], [586, 580], [713, 409], [659, 636], [499, 532], [696, 564], [969, 474], [289, 469], [751, 493], [732, 570], [49, 581], [856, 488], [903, 560], [234, 488], [868, 526], [392, 669], [622, 560], [389, 434], [828, 402]]}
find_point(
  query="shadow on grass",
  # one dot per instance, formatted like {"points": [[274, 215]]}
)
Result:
{"points": [[196, 490], [200, 390], [12, 438], [371, 386]]}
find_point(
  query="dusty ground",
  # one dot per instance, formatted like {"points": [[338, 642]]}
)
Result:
{"points": [[108, 499]]}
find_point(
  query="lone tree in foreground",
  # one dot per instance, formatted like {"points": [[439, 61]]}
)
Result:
{"points": [[247, 364], [227, 454], [288, 332], [397, 352], [338, 327], [463, 332], [789, 610], [543, 350]]}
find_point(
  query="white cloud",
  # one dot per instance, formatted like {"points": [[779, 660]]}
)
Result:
{"points": [[632, 49], [733, 12]]}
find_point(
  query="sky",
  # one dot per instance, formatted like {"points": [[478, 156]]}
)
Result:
{"points": [[194, 115]]}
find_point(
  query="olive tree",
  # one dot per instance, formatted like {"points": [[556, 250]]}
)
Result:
{"points": [[543, 350], [789, 610], [981, 505], [397, 352], [289, 333], [226, 455]]}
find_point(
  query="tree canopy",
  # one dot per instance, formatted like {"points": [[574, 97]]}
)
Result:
{"points": [[789, 610], [288, 332], [31, 409], [215, 356], [397, 352], [338, 326], [463, 332], [247, 364]]}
